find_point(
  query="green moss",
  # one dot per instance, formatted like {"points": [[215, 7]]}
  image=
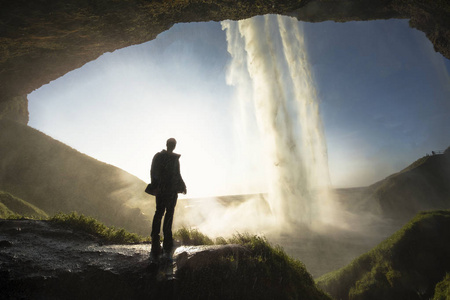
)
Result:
{"points": [[442, 291], [406, 265], [257, 270]]}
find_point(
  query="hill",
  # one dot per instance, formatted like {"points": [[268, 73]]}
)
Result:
{"points": [[424, 185], [56, 178], [10, 206], [407, 265]]}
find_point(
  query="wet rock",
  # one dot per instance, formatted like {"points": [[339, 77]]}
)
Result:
{"points": [[46, 261], [4, 244]]}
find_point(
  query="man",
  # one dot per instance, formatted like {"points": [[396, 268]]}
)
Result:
{"points": [[165, 176]]}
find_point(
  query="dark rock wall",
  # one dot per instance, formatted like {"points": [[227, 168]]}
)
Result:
{"points": [[42, 40]]}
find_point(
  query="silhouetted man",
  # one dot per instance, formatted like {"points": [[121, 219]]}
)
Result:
{"points": [[165, 175]]}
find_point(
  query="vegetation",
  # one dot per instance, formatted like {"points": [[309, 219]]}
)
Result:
{"points": [[442, 291], [189, 236], [411, 264], [11, 206], [416, 164], [421, 186], [251, 268], [96, 228], [407, 265]]}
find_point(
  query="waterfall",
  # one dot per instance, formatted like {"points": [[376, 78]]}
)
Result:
{"points": [[270, 72]]}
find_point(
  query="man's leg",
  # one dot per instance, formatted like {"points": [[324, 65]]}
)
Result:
{"points": [[168, 220], [156, 226]]}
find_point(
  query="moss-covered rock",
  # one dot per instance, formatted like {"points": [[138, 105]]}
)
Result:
{"points": [[67, 258], [407, 265], [247, 268], [442, 291]]}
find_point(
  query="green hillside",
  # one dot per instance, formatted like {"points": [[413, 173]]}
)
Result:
{"points": [[10, 205], [424, 185], [442, 291], [407, 265], [56, 178]]}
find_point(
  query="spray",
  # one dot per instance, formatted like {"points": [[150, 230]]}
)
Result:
{"points": [[269, 70]]}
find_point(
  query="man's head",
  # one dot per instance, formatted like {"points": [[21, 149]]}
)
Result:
{"points": [[171, 144]]}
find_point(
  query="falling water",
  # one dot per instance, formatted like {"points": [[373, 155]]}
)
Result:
{"points": [[269, 70]]}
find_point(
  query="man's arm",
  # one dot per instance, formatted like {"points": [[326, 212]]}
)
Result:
{"points": [[155, 170], [181, 187]]}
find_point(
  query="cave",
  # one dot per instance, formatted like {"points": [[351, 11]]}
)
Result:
{"points": [[43, 40]]}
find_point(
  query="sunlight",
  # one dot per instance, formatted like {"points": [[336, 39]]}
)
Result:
{"points": [[122, 107], [138, 97]]}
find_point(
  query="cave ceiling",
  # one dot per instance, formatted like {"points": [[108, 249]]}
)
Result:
{"points": [[41, 40]]}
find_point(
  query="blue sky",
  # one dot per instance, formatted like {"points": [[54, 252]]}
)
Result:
{"points": [[384, 97]]}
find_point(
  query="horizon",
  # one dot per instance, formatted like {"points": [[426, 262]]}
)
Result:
{"points": [[125, 95]]}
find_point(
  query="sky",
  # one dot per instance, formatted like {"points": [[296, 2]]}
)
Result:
{"points": [[384, 100]]}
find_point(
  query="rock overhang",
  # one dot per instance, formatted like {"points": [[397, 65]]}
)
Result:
{"points": [[41, 41]]}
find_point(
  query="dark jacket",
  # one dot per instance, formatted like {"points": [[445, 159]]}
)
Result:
{"points": [[165, 173]]}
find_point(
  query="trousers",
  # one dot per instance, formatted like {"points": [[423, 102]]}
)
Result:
{"points": [[165, 206]]}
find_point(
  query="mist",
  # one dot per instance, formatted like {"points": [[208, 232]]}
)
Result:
{"points": [[275, 93], [275, 97]]}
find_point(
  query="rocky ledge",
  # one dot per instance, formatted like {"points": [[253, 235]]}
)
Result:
{"points": [[40, 260]]}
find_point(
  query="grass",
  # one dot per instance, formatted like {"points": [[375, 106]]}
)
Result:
{"points": [[412, 263], [13, 207], [252, 270], [189, 236], [442, 291], [407, 265], [249, 268], [92, 226], [416, 164], [421, 186]]}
